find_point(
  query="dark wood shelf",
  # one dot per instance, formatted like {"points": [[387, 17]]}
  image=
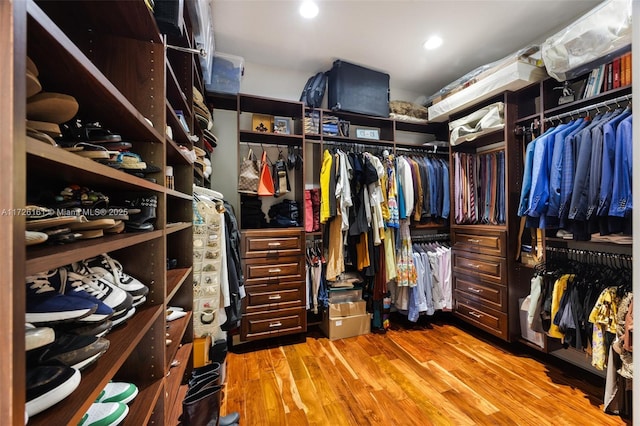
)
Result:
{"points": [[276, 107], [178, 194], [223, 101], [44, 257], [125, 19], [175, 279], [122, 341], [528, 118], [179, 226], [175, 156], [174, 92], [408, 126], [610, 94], [71, 168], [176, 330], [432, 225], [481, 141], [62, 66], [180, 135], [340, 139], [248, 136], [478, 227], [139, 408], [600, 246], [173, 384]]}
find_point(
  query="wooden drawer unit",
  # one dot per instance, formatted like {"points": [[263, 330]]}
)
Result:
{"points": [[480, 315], [273, 271], [273, 297], [272, 243], [487, 268], [481, 241], [486, 292], [273, 323]]}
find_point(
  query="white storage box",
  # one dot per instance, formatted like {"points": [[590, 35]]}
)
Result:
{"points": [[226, 74]]}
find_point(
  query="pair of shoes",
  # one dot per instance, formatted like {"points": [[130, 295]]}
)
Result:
{"points": [[112, 270], [142, 221], [110, 408]]}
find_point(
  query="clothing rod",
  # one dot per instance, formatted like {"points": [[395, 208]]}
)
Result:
{"points": [[591, 253], [421, 149], [349, 144], [589, 108], [431, 237]]}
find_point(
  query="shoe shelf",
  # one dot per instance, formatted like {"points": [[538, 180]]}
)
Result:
{"points": [[176, 330], [72, 168], [148, 396], [125, 19], [180, 135], [177, 226], [173, 383], [178, 194], [175, 279], [175, 156], [122, 342], [175, 95], [42, 258], [64, 68]]}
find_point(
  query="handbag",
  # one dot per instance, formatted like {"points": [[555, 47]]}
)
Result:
{"points": [[249, 176], [265, 186], [280, 176]]}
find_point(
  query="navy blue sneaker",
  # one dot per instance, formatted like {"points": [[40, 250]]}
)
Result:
{"points": [[71, 284], [46, 306]]}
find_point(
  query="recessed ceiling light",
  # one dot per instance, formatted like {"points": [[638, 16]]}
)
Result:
{"points": [[433, 43], [309, 9]]}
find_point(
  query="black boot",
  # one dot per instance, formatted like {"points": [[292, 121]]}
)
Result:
{"points": [[203, 382], [202, 408], [214, 367]]}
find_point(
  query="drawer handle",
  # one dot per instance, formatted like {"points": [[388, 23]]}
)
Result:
{"points": [[474, 265], [276, 297], [471, 240], [274, 244], [475, 290], [475, 314], [275, 324], [275, 270]]}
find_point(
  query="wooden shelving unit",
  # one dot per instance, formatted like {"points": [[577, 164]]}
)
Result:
{"points": [[110, 56]]}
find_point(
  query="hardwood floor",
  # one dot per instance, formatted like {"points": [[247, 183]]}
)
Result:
{"points": [[442, 375]]}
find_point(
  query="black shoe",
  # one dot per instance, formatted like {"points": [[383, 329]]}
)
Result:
{"points": [[74, 351], [48, 385]]}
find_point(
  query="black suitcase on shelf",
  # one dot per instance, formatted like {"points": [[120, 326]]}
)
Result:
{"points": [[353, 88]]}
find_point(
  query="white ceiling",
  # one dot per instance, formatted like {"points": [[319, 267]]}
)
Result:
{"points": [[387, 35]]}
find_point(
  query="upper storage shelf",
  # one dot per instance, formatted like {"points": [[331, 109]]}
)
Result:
{"points": [[65, 69], [131, 19]]}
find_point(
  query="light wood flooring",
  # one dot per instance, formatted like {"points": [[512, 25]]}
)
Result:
{"points": [[441, 374]]}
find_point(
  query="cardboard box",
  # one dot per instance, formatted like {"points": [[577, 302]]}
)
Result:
{"points": [[347, 309], [526, 332], [201, 347], [343, 327]]}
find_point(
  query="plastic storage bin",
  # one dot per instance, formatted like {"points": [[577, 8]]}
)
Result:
{"points": [[342, 295], [226, 74]]}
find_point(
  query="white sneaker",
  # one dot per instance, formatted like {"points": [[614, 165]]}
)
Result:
{"points": [[105, 414], [118, 392], [112, 270], [112, 295]]}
